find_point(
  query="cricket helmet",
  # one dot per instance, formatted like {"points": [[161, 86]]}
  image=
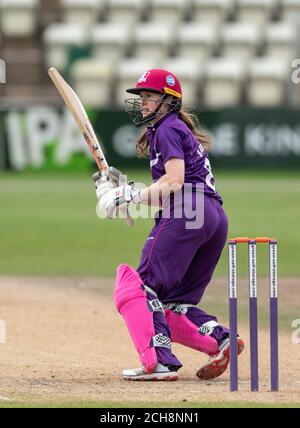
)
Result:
{"points": [[158, 81]]}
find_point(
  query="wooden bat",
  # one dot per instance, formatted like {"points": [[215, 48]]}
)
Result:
{"points": [[79, 114]]}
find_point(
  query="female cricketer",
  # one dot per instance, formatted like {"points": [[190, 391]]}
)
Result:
{"points": [[159, 299]]}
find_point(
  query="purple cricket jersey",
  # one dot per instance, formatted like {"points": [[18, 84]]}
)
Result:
{"points": [[171, 138], [178, 263]]}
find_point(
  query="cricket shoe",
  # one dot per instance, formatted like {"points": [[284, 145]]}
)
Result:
{"points": [[218, 363], [161, 372]]}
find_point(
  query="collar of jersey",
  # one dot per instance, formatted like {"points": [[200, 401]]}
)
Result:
{"points": [[162, 119]]}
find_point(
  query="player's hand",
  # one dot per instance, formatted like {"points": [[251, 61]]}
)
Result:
{"points": [[112, 201], [113, 174], [105, 183], [104, 187]]}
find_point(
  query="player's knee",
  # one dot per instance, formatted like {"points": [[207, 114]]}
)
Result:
{"points": [[128, 286]]}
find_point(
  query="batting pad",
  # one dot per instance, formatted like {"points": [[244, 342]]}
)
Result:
{"points": [[131, 302], [186, 333]]}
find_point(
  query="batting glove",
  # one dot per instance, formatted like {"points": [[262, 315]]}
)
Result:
{"points": [[105, 183], [112, 201]]}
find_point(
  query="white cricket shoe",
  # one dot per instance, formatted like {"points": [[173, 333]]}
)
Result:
{"points": [[161, 372], [218, 363]]}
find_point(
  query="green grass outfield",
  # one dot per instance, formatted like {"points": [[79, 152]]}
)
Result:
{"points": [[48, 224]]}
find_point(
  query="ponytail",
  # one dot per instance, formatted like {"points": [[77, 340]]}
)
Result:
{"points": [[192, 123]]}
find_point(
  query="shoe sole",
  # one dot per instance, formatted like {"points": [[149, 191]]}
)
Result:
{"points": [[217, 368], [154, 378]]}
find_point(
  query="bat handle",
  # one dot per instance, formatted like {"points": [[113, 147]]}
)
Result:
{"points": [[125, 212], [128, 219]]}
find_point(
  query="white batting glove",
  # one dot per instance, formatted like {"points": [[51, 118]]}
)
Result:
{"points": [[105, 183], [112, 201], [103, 188]]}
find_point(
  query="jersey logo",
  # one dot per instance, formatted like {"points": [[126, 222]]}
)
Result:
{"points": [[154, 161]]}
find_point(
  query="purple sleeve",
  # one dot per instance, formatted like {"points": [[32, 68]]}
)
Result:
{"points": [[170, 144]]}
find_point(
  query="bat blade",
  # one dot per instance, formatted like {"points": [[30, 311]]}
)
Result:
{"points": [[81, 118]]}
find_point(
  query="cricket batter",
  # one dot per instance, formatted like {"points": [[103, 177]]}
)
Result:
{"points": [[158, 300]]}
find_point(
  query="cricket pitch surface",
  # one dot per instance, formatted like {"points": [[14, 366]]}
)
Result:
{"points": [[65, 341]]}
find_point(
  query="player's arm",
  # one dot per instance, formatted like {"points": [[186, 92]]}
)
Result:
{"points": [[172, 181]]}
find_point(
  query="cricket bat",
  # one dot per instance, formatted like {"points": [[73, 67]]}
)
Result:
{"points": [[79, 114]]}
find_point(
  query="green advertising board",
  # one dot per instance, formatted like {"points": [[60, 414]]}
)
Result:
{"points": [[46, 137]]}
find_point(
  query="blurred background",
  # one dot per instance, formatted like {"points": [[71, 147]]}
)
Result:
{"points": [[236, 59], [239, 65]]}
